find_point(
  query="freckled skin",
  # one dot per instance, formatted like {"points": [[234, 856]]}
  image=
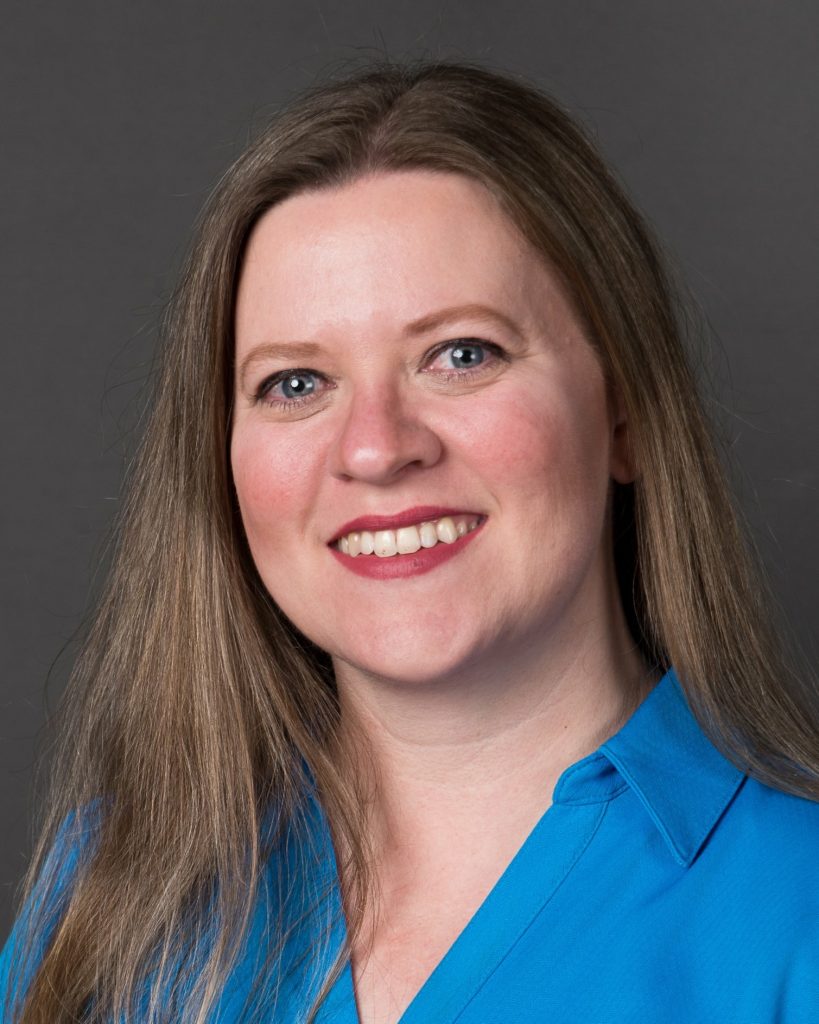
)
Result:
{"points": [[532, 442]]}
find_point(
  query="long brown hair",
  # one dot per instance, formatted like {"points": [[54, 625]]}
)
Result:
{"points": [[198, 720]]}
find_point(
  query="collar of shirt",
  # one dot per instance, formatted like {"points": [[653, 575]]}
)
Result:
{"points": [[661, 753]]}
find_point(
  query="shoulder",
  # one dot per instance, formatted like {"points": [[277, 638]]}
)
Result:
{"points": [[767, 847], [772, 820], [779, 833]]}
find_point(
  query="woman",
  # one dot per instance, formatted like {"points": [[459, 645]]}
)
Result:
{"points": [[433, 680]]}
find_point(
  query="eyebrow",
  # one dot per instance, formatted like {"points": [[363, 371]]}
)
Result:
{"points": [[423, 325]]}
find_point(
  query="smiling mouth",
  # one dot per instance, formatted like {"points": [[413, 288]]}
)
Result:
{"points": [[408, 539]]}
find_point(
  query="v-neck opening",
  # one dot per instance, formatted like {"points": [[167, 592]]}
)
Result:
{"points": [[536, 871]]}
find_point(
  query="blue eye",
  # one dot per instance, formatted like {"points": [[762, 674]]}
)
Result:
{"points": [[296, 392], [478, 355], [466, 350], [294, 382], [299, 384]]}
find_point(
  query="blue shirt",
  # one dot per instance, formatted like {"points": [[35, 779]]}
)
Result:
{"points": [[661, 885]]}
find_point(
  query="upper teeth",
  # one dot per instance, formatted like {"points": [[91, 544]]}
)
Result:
{"points": [[408, 538]]}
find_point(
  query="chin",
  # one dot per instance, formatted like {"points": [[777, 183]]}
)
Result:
{"points": [[408, 671]]}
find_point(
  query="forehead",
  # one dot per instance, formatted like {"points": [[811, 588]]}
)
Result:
{"points": [[385, 249]]}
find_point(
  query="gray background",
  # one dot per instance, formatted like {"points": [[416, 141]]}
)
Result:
{"points": [[117, 119]]}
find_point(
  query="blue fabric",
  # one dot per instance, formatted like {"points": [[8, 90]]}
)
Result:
{"points": [[662, 884]]}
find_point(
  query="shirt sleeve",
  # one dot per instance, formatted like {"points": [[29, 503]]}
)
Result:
{"points": [[43, 910]]}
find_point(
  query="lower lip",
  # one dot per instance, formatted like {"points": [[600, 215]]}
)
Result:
{"points": [[398, 566]]}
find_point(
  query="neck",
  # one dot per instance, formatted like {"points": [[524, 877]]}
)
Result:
{"points": [[476, 755]]}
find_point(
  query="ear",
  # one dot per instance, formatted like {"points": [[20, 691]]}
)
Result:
{"points": [[622, 466]]}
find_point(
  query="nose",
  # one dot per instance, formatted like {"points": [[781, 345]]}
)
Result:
{"points": [[381, 435]]}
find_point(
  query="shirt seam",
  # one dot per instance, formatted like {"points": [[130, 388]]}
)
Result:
{"points": [[571, 867], [582, 801]]}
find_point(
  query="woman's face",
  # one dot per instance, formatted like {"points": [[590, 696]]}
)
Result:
{"points": [[363, 391]]}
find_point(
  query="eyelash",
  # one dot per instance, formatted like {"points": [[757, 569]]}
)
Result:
{"points": [[267, 385]]}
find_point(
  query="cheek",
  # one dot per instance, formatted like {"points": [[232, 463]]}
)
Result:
{"points": [[548, 445], [271, 480]]}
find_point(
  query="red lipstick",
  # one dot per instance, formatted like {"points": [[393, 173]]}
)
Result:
{"points": [[400, 566], [409, 517]]}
